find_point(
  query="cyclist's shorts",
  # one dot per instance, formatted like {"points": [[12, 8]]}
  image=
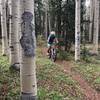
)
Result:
{"points": [[49, 44]]}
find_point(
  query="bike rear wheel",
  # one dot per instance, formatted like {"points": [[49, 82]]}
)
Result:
{"points": [[53, 54]]}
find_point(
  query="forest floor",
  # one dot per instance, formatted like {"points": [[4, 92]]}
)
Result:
{"points": [[62, 80], [87, 74], [88, 91]]}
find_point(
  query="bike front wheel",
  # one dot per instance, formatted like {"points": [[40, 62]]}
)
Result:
{"points": [[53, 55]]}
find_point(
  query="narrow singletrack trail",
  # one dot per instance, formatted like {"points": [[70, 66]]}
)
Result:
{"points": [[88, 91]]}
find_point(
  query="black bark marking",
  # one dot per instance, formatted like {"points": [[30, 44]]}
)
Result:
{"points": [[12, 48], [27, 39]]}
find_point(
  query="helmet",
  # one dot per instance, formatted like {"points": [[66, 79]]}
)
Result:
{"points": [[52, 32]]}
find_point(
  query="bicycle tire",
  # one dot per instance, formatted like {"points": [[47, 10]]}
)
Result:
{"points": [[53, 55]]}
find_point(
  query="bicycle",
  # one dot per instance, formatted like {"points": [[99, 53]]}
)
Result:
{"points": [[53, 53]]}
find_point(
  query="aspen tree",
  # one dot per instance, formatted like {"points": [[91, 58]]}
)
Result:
{"points": [[7, 17], [14, 31], [4, 28], [96, 27], [77, 30], [47, 21], [91, 20], [46, 24], [28, 45]]}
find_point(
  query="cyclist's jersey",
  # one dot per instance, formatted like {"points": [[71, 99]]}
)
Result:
{"points": [[51, 38]]}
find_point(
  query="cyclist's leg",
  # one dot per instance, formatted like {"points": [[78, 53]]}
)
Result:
{"points": [[49, 47], [54, 52]]}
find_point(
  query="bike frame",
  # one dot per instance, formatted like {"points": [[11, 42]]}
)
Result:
{"points": [[53, 54]]}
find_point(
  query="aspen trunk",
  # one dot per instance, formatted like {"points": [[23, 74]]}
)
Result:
{"points": [[46, 24], [91, 20], [28, 45], [7, 17], [96, 27], [49, 23], [77, 31], [4, 28], [46, 19], [14, 31]]}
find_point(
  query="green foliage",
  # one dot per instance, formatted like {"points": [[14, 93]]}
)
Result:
{"points": [[40, 41], [90, 71], [97, 80], [64, 12], [61, 43], [4, 63], [54, 95], [68, 8], [64, 55], [85, 54], [54, 83], [39, 12], [9, 81], [96, 83], [41, 93], [61, 77]]}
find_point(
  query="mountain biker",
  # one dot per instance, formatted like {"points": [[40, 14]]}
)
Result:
{"points": [[51, 40]]}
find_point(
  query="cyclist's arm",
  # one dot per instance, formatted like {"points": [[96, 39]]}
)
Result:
{"points": [[48, 38], [56, 40]]}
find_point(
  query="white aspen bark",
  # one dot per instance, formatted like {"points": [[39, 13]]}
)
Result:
{"points": [[7, 15], [4, 28], [91, 20], [49, 23], [28, 46], [10, 6], [46, 18], [96, 27], [14, 31], [77, 31], [46, 24]]}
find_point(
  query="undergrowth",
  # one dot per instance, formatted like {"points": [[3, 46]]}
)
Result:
{"points": [[90, 71], [53, 83]]}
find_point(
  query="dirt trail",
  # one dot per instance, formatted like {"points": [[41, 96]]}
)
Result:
{"points": [[88, 91]]}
